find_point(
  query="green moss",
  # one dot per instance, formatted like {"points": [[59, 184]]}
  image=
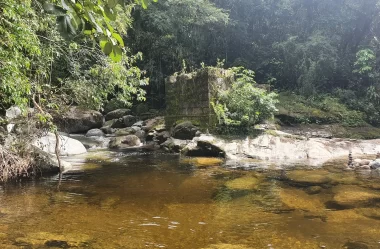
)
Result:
{"points": [[324, 109]]}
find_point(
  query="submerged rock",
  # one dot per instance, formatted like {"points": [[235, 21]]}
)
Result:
{"points": [[299, 200], [203, 161], [41, 239], [355, 245], [354, 196], [308, 177], [243, 183], [227, 246]]}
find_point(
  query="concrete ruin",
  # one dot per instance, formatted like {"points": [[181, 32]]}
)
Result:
{"points": [[189, 96]]}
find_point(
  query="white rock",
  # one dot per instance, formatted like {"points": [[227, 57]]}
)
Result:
{"points": [[13, 112], [68, 146], [10, 127]]}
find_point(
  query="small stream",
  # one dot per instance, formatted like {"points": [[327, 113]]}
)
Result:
{"points": [[121, 200]]}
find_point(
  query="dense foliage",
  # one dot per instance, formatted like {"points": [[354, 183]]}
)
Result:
{"points": [[36, 62], [244, 104], [308, 47], [312, 48]]}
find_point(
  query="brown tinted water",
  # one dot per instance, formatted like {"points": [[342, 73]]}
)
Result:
{"points": [[160, 201]]}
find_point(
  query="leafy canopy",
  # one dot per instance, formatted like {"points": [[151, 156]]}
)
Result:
{"points": [[95, 19]]}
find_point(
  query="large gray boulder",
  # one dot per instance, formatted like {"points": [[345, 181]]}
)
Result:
{"points": [[77, 120], [203, 149], [47, 163], [129, 120], [185, 131], [124, 142], [173, 145], [116, 114], [68, 146]]}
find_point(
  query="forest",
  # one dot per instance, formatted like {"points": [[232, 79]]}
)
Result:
{"points": [[311, 48]]}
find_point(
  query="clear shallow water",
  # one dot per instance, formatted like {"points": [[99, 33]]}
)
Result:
{"points": [[160, 201]]}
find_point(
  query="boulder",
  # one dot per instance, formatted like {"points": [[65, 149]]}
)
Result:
{"points": [[203, 149], [138, 124], [140, 134], [13, 112], [157, 123], [68, 146], [185, 131], [136, 128], [47, 163], [95, 133], [118, 123], [77, 120], [161, 137], [125, 131], [375, 164], [129, 120], [173, 145], [124, 142], [116, 114]]}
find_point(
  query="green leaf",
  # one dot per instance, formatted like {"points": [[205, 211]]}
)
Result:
{"points": [[54, 9], [118, 38], [116, 54], [110, 13], [107, 49], [102, 42], [112, 3]]}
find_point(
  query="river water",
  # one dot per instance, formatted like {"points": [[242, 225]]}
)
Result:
{"points": [[118, 200]]}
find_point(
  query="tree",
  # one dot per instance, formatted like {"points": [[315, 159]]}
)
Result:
{"points": [[95, 19]]}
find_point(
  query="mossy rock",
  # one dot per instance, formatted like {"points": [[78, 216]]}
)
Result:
{"points": [[349, 196], [299, 200], [203, 161], [308, 177]]}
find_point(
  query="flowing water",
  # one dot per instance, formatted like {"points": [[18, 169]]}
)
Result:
{"points": [[160, 201]]}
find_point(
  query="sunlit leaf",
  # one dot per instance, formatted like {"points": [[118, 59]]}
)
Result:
{"points": [[116, 54], [118, 38]]}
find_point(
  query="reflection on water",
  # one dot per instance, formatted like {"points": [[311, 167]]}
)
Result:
{"points": [[161, 201]]}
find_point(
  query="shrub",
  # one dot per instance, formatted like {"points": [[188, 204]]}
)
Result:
{"points": [[244, 104]]}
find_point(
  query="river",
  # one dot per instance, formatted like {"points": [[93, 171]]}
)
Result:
{"points": [[120, 200]]}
